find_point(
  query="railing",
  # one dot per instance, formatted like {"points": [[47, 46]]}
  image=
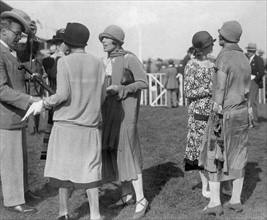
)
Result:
{"points": [[156, 95]]}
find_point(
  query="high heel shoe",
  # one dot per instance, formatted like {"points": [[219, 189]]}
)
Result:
{"points": [[64, 217], [238, 207], [141, 214], [122, 204], [216, 210]]}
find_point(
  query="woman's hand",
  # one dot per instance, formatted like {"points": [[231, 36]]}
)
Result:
{"points": [[118, 90]]}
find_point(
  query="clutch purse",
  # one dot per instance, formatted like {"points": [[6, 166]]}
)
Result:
{"points": [[127, 77]]}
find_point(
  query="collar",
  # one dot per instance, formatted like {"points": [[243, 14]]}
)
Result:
{"points": [[252, 57], [4, 43], [13, 52], [230, 47]]}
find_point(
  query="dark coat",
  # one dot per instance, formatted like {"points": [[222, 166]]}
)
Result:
{"points": [[257, 69]]}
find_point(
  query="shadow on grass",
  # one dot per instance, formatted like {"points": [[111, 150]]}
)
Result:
{"points": [[156, 177], [45, 192], [262, 119], [251, 180]]}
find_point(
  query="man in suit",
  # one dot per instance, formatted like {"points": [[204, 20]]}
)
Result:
{"points": [[13, 105], [171, 85], [257, 73]]}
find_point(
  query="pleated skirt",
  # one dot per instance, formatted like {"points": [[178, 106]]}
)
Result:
{"points": [[235, 129], [74, 156]]}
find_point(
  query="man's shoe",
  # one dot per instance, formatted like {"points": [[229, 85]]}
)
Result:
{"points": [[30, 196], [22, 209]]}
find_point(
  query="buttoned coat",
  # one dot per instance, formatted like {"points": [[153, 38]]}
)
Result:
{"points": [[170, 78], [257, 69], [13, 100]]}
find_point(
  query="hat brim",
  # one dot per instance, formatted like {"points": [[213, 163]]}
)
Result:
{"points": [[6, 14], [54, 41], [209, 43], [251, 49], [103, 35]]}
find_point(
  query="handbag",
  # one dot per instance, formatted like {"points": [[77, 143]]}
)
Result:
{"points": [[127, 77], [200, 117]]}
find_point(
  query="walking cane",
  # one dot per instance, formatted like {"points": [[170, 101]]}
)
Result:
{"points": [[37, 79]]}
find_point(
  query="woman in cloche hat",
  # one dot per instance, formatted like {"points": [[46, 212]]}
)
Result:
{"points": [[198, 90], [74, 149], [121, 147]]}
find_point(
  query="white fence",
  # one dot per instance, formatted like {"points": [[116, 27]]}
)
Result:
{"points": [[156, 95]]}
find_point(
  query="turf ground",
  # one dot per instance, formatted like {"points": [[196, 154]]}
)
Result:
{"points": [[172, 193]]}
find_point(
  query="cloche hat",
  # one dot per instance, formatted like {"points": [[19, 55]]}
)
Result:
{"points": [[202, 39], [23, 18], [231, 31], [251, 47], [76, 34], [114, 32], [57, 38]]}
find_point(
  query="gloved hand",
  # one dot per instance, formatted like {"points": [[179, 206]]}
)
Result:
{"points": [[112, 90], [217, 108], [35, 108]]}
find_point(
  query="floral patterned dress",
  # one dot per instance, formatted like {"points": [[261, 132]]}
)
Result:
{"points": [[198, 90]]}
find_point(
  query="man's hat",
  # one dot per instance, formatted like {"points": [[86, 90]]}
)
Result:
{"points": [[57, 38], [260, 52], [23, 18], [76, 34], [251, 47]]}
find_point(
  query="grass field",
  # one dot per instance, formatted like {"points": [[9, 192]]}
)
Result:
{"points": [[172, 193]]}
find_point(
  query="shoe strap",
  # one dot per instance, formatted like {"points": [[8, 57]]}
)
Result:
{"points": [[125, 196], [139, 202]]}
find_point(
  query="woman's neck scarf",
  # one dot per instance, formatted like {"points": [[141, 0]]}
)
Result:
{"points": [[117, 53]]}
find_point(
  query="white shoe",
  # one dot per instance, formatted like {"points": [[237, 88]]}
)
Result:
{"points": [[206, 194]]}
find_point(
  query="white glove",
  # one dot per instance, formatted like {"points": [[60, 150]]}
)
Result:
{"points": [[217, 108], [35, 108]]}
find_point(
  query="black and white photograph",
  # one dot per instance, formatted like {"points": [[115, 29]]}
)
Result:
{"points": [[124, 110]]}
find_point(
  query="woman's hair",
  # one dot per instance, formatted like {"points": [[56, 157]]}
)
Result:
{"points": [[198, 52], [116, 43]]}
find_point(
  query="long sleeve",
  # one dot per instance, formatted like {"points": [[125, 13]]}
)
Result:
{"points": [[260, 70], [137, 69], [63, 88], [8, 94]]}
